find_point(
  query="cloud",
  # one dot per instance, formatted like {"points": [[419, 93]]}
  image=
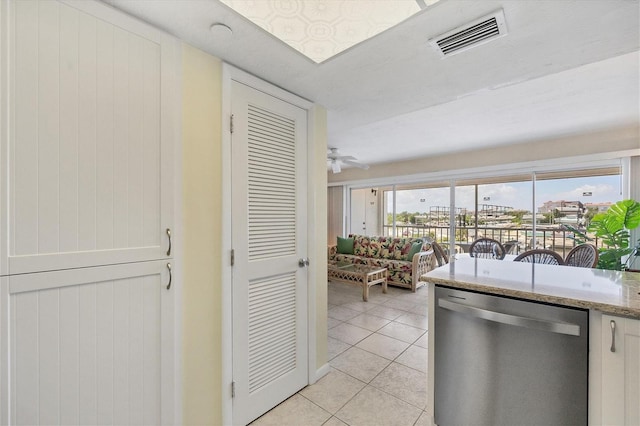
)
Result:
{"points": [[600, 193]]}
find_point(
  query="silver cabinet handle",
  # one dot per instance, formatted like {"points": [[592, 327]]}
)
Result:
{"points": [[169, 235], [170, 276], [515, 320], [612, 323]]}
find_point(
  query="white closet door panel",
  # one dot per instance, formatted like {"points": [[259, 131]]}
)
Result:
{"points": [[48, 126], [151, 149], [4, 181], [87, 132], [151, 394], [121, 303], [5, 386], [25, 359], [269, 151], [136, 356], [89, 346], [87, 353], [121, 137], [69, 299], [136, 133], [49, 339], [90, 144], [69, 106], [104, 353], [25, 149], [104, 135]]}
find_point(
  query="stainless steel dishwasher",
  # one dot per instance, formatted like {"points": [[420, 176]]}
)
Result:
{"points": [[504, 361]]}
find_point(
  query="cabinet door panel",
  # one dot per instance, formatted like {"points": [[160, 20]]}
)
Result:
{"points": [[621, 371], [90, 142], [632, 372], [91, 346]]}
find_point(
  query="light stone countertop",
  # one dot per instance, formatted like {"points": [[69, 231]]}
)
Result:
{"points": [[610, 292]]}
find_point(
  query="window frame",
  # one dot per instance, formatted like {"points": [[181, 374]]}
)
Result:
{"points": [[488, 174]]}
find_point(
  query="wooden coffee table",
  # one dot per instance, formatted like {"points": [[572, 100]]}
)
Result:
{"points": [[363, 275]]}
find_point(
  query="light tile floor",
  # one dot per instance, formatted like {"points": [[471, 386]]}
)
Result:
{"points": [[378, 356]]}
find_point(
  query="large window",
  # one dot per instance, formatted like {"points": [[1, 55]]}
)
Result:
{"points": [[567, 202], [419, 211], [498, 208], [529, 210]]}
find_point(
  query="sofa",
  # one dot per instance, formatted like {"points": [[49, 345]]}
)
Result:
{"points": [[391, 253]]}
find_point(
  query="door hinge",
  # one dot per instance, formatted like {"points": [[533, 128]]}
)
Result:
{"points": [[233, 389], [233, 257], [231, 124]]}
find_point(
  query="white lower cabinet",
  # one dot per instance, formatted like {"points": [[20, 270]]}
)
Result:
{"points": [[89, 346], [620, 352]]}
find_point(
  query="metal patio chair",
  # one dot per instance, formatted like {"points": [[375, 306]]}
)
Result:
{"points": [[487, 248], [582, 256], [542, 256]]}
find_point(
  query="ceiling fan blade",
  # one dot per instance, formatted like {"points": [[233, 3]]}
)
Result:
{"points": [[335, 156], [356, 164]]}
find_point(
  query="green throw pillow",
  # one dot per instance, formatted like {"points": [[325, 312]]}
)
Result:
{"points": [[415, 248], [345, 245]]}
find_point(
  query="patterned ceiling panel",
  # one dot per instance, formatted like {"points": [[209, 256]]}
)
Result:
{"points": [[320, 29]]}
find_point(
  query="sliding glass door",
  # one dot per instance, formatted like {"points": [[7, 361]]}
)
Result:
{"points": [[522, 211], [498, 208], [566, 202], [417, 211]]}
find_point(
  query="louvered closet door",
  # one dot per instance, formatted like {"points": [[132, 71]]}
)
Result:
{"points": [[90, 136], [269, 237]]}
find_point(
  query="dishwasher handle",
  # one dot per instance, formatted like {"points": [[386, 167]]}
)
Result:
{"points": [[515, 320]]}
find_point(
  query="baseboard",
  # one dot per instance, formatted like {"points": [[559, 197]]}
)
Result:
{"points": [[320, 373]]}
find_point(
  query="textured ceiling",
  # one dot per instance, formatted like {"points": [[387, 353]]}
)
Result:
{"points": [[320, 29], [566, 66]]}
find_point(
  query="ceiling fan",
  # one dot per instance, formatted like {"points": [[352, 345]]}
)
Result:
{"points": [[336, 160]]}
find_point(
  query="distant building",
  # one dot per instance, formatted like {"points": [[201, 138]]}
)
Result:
{"points": [[600, 207], [422, 219], [528, 218], [569, 212], [491, 211], [571, 207]]}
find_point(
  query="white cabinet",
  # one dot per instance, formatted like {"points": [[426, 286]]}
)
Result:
{"points": [[620, 351], [86, 346], [87, 134], [88, 150]]}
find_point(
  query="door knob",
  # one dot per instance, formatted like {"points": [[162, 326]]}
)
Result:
{"points": [[303, 262]]}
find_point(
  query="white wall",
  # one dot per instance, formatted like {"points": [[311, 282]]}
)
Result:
{"points": [[594, 143]]}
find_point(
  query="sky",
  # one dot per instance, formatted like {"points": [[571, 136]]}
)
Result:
{"points": [[514, 194]]}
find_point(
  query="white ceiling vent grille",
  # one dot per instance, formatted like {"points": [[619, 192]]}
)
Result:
{"points": [[471, 35]]}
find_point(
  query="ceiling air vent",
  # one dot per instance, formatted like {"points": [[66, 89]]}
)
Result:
{"points": [[471, 35]]}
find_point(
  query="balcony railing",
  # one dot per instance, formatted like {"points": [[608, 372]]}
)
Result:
{"points": [[557, 239]]}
